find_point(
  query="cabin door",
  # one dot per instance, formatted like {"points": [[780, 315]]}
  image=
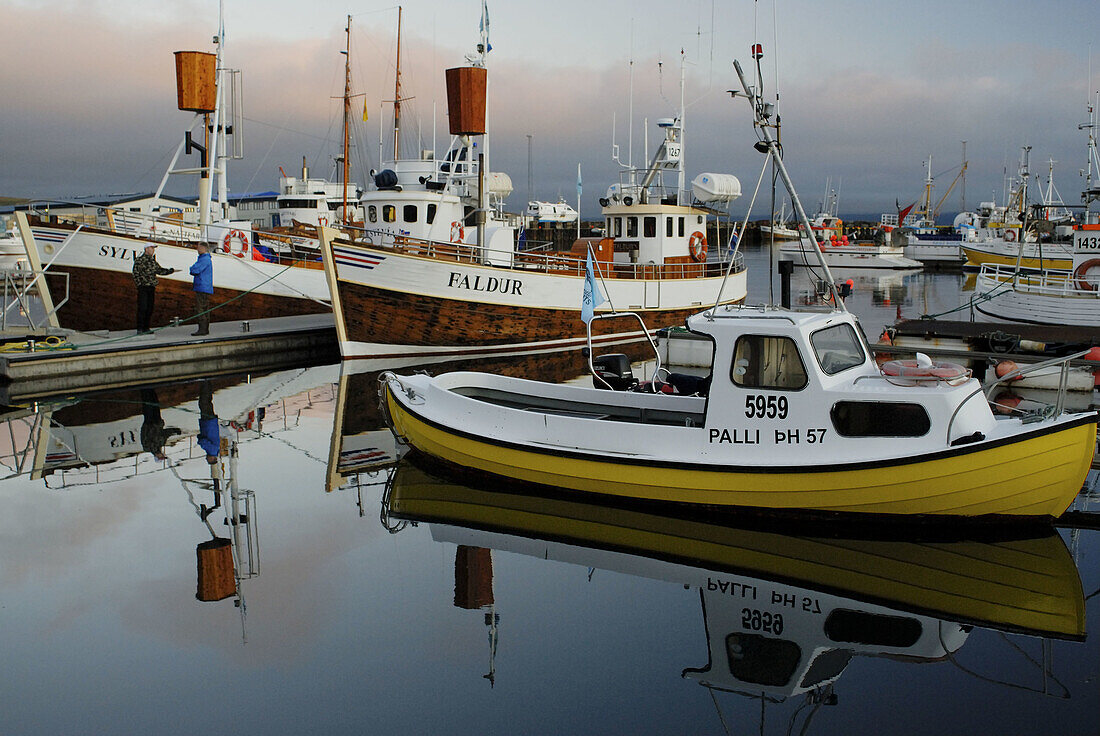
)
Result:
{"points": [[652, 297]]}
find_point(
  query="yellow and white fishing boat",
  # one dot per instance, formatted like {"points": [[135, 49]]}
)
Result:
{"points": [[796, 415]]}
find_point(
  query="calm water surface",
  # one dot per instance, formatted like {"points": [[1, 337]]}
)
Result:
{"points": [[302, 585]]}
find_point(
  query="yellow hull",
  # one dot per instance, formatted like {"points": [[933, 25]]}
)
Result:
{"points": [[1027, 584], [976, 257], [1036, 475]]}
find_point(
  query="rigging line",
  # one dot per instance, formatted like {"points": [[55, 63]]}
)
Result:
{"points": [[718, 709], [740, 235], [977, 675], [282, 127]]}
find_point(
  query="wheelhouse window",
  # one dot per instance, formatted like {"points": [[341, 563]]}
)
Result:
{"points": [[632, 227], [668, 227], [680, 227], [389, 213], [649, 226], [879, 419], [431, 213], [837, 348], [768, 362], [408, 213], [372, 213], [617, 231], [872, 629]]}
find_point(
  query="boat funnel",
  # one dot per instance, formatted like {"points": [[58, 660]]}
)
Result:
{"points": [[196, 85], [466, 100]]}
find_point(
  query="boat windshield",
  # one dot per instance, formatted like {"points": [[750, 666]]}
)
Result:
{"points": [[837, 348], [762, 660]]}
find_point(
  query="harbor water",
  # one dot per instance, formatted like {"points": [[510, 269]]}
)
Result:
{"points": [[241, 554]]}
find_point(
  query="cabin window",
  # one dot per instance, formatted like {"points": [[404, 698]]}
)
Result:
{"points": [[872, 629], [618, 232], [879, 419], [680, 227], [668, 227], [768, 362], [372, 213], [408, 213], [698, 219], [431, 213], [762, 660], [389, 213], [632, 227], [837, 348], [649, 226]]}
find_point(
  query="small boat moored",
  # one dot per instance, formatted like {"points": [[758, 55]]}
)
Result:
{"points": [[795, 416]]}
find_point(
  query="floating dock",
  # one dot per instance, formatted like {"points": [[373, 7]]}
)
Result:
{"points": [[102, 360]]}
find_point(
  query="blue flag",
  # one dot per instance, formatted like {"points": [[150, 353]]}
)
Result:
{"points": [[592, 297], [578, 181]]}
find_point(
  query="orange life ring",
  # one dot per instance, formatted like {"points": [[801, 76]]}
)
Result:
{"points": [[458, 233], [1080, 275], [911, 370], [697, 247], [1010, 236], [235, 235]]}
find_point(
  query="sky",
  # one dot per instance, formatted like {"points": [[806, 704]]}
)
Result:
{"points": [[867, 91]]}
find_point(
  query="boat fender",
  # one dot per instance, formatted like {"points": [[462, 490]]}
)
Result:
{"points": [[1005, 367], [1080, 275], [1094, 354], [1010, 236], [235, 236], [697, 246], [458, 233]]}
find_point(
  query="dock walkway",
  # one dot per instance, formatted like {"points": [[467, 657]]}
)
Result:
{"points": [[101, 360]]}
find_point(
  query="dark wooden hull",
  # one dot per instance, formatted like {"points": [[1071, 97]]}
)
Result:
{"points": [[373, 315], [107, 300]]}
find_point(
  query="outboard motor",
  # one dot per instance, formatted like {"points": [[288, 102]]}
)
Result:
{"points": [[613, 368]]}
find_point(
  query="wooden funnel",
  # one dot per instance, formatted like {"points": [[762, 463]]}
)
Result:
{"points": [[196, 85], [466, 100]]}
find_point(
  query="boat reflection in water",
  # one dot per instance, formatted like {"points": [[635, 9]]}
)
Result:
{"points": [[784, 612], [194, 431]]}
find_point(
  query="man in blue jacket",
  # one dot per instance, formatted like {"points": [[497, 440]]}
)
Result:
{"points": [[203, 271]]}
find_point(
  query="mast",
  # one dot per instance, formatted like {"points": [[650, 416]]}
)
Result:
{"points": [[397, 91], [347, 117]]}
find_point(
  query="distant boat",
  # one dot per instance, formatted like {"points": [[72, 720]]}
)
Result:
{"points": [[558, 211]]}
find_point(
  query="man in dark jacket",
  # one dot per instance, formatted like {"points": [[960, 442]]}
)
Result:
{"points": [[146, 269], [203, 271]]}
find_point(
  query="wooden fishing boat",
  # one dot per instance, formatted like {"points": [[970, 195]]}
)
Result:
{"points": [[449, 285]]}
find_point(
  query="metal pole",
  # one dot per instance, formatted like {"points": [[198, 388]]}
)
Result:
{"points": [[773, 150]]}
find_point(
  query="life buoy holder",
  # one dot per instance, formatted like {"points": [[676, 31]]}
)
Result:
{"points": [[697, 247], [1010, 236], [1080, 275], [235, 236], [458, 233], [911, 370], [322, 220]]}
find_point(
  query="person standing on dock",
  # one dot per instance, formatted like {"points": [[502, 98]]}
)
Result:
{"points": [[203, 271], [146, 269]]}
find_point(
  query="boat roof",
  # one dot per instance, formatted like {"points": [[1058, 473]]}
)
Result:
{"points": [[766, 318]]}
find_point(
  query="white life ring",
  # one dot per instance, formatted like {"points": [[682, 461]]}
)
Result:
{"points": [[1010, 236], [458, 233], [235, 236]]}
